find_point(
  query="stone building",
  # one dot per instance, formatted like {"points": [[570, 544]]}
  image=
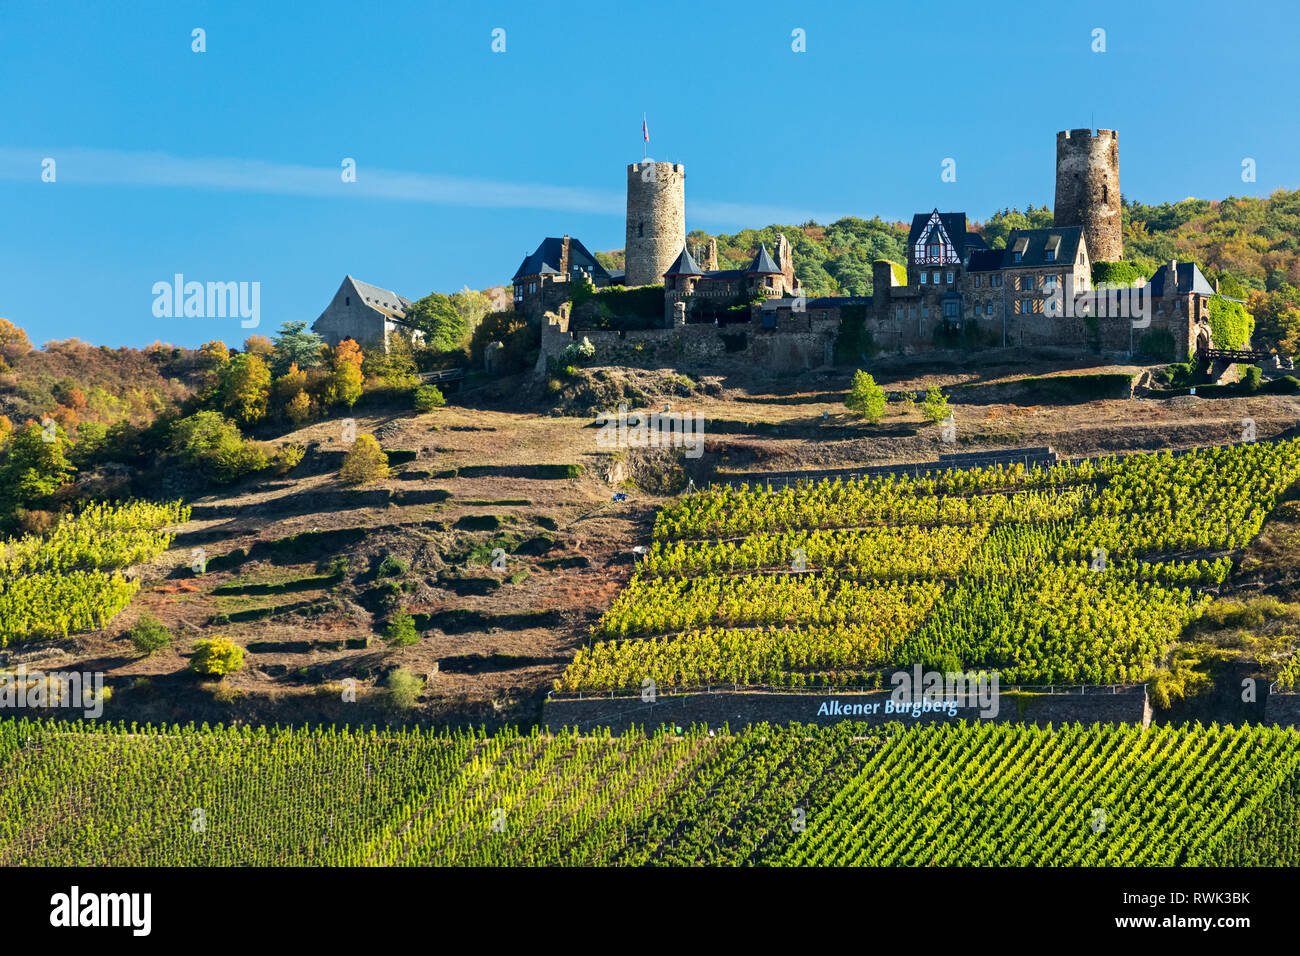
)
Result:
{"points": [[541, 283], [656, 220], [365, 313], [1182, 306], [1087, 189], [706, 293]]}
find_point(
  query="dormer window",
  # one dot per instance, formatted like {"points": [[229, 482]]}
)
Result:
{"points": [[1017, 256], [1050, 255], [934, 246]]}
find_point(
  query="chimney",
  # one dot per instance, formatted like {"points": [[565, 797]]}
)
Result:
{"points": [[564, 258], [1173, 277]]}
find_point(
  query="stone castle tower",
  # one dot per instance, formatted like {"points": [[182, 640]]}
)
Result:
{"points": [[656, 220], [1087, 189]]}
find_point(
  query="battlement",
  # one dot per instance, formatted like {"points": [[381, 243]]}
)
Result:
{"points": [[1074, 135]]}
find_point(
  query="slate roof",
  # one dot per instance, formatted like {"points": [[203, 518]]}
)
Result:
{"points": [[821, 302], [762, 264], [685, 265], [1190, 279], [545, 260], [381, 300], [1034, 243], [985, 260]]}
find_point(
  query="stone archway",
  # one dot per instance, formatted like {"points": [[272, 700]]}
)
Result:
{"points": [[1202, 340]]}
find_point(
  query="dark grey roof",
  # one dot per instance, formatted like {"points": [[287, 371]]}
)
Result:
{"points": [[390, 303], [985, 260], [685, 265], [954, 224], [725, 274], [1036, 242], [974, 241], [546, 259], [1190, 279], [763, 263]]}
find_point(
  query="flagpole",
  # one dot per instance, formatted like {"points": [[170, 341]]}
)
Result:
{"points": [[645, 138]]}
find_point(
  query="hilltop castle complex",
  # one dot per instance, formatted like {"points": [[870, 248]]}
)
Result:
{"points": [[1036, 291]]}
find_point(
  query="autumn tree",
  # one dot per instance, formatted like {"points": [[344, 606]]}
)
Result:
{"points": [[259, 345], [364, 463], [245, 387], [345, 381]]}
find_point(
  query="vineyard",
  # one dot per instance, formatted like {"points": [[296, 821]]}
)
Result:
{"points": [[962, 794], [70, 580], [1077, 573]]}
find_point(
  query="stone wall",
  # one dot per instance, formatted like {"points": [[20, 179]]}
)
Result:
{"points": [[1129, 705], [1282, 709]]}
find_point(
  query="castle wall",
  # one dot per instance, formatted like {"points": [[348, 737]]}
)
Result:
{"points": [[1087, 189], [656, 220]]}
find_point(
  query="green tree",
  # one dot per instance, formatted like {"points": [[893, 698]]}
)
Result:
{"points": [[35, 467], [400, 630], [403, 688], [865, 397], [935, 408], [445, 328], [295, 345], [427, 398], [216, 657], [150, 635], [211, 442]]}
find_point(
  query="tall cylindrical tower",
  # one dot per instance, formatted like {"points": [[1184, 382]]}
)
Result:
{"points": [[1087, 189], [656, 220]]}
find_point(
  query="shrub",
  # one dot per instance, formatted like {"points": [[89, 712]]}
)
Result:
{"points": [[428, 397], [288, 457], [865, 397], [149, 635], [400, 630], [390, 567], [1251, 377], [364, 463], [935, 408], [216, 657], [403, 689]]}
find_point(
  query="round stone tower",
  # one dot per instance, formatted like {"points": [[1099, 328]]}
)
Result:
{"points": [[656, 220], [1087, 189]]}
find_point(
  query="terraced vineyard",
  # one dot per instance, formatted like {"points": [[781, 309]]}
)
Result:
{"points": [[1078, 573], [70, 579], [963, 794]]}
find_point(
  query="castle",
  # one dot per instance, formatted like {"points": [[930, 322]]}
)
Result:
{"points": [[1035, 292]]}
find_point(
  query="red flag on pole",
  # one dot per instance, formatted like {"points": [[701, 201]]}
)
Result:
{"points": [[645, 131]]}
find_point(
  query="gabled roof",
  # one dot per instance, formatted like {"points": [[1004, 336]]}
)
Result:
{"points": [[685, 265], [1032, 244], [974, 241], [762, 264], [954, 224], [1190, 279], [545, 260], [381, 300]]}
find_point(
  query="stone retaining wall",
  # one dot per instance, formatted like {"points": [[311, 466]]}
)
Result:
{"points": [[873, 707]]}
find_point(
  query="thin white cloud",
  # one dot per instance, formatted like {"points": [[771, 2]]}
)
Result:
{"points": [[102, 167]]}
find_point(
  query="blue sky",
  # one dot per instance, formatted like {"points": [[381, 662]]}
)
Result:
{"points": [[225, 165]]}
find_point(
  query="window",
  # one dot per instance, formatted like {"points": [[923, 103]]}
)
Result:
{"points": [[988, 309], [936, 278], [924, 275], [977, 281], [1050, 255], [1026, 306], [347, 300], [995, 281], [519, 293], [952, 309], [1026, 282], [899, 313], [769, 282], [925, 311], [949, 279], [1050, 283], [1016, 256]]}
